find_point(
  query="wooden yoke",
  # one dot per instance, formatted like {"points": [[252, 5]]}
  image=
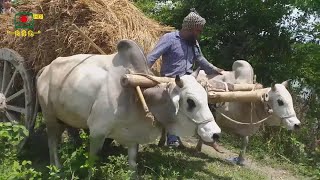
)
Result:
{"points": [[239, 96], [240, 93], [137, 87]]}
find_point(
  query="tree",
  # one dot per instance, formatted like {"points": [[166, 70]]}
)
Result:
{"points": [[280, 38]]}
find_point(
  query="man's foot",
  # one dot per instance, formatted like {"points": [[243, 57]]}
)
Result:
{"points": [[236, 160]]}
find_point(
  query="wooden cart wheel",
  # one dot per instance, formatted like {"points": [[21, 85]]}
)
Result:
{"points": [[17, 91]]}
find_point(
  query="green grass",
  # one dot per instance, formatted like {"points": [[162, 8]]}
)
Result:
{"points": [[276, 161], [188, 164], [154, 162]]}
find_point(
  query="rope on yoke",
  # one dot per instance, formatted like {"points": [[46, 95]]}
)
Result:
{"points": [[251, 110], [241, 123], [251, 114], [147, 76], [149, 115]]}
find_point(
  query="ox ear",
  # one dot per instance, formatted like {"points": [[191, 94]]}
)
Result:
{"points": [[286, 83], [175, 98], [196, 72]]}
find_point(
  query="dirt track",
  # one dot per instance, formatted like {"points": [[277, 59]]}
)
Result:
{"points": [[270, 172]]}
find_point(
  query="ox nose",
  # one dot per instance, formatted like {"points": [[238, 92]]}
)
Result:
{"points": [[296, 126], [215, 137]]}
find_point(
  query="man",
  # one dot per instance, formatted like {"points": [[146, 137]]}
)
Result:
{"points": [[179, 51]]}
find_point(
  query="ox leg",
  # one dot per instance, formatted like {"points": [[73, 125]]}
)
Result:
{"points": [[96, 143], [54, 131], [181, 145], [245, 142], [132, 157], [163, 138], [199, 145]]}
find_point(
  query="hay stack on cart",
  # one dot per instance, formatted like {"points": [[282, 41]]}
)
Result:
{"points": [[104, 21]]}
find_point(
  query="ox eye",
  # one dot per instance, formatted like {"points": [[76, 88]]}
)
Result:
{"points": [[280, 102], [191, 104]]}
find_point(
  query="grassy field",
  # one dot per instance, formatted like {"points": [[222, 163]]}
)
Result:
{"points": [[158, 163], [154, 162]]}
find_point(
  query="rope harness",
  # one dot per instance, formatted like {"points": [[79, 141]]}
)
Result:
{"points": [[145, 75], [252, 106]]}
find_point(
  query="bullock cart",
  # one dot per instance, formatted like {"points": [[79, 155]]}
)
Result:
{"points": [[19, 104], [22, 58], [18, 101]]}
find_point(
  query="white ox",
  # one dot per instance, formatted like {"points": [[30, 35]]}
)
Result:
{"points": [[279, 103], [84, 91]]}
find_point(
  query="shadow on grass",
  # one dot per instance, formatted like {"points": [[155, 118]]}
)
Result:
{"points": [[36, 150], [176, 163]]}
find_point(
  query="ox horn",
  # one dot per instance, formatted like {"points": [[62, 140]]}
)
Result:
{"points": [[273, 86], [178, 81], [196, 72], [286, 83]]}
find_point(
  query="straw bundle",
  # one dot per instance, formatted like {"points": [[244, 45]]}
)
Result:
{"points": [[104, 21]]}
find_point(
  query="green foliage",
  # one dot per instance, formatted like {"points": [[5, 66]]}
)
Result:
{"points": [[116, 168], [237, 30], [11, 167], [75, 164], [308, 5]]}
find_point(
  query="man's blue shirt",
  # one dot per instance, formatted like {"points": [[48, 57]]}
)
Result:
{"points": [[178, 56]]}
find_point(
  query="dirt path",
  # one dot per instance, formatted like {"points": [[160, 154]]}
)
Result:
{"points": [[272, 173]]}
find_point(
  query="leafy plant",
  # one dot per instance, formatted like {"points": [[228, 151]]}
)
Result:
{"points": [[11, 167]]}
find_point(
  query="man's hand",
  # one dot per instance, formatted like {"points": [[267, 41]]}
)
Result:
{"points": [[219, 71]]}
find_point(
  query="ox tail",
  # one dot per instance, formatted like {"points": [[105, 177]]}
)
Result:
{"points": [[39, 73], [37, 107]]}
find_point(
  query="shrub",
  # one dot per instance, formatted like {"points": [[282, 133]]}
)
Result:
{"points": [[11, 135]]}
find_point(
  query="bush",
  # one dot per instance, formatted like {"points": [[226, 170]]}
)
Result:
{"points": [[73, 157], [11, 135]]}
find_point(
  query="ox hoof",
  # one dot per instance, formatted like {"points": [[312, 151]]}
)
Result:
{"points": [[198, 148], [134, 176], [161, 143], [236, 160]]}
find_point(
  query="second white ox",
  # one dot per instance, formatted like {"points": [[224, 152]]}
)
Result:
{"points": [[279, 107], [84, 91]]}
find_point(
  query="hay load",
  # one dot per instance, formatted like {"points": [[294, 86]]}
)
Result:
{"points": [[104, 21]]}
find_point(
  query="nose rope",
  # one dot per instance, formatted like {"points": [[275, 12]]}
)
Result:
{"points": [[251, 110], [289, 116], [226, 85], [196, 122]]}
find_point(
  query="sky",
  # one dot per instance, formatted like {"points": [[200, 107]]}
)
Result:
{"points": [[292, 22]]}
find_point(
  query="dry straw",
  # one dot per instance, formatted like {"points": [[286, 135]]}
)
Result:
{"points": [[104, 21]]}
